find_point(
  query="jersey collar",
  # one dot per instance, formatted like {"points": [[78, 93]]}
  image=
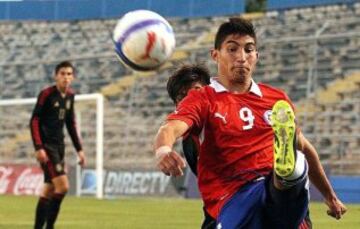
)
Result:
{"points": [[214, 83]]}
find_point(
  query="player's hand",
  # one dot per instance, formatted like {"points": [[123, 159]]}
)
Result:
{"points": [[41, 156], [82, 159], [170, 162], [336, 207]]}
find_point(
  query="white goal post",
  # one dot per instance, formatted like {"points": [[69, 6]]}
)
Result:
{"points": [[99, 131]]}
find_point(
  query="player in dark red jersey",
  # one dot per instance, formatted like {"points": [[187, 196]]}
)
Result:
{"points": [[250, 175], [53, 109], [180, 82]]}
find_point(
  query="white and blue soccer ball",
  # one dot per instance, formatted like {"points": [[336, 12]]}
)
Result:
{"points": [[144, 40]]}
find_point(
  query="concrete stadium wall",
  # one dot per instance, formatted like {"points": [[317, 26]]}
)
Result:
{"points": [[96, 9]]}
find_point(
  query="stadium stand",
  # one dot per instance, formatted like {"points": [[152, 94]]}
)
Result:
{"points": [[312, 53]]}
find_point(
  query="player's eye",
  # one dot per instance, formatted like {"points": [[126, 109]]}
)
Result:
{"points": [[250, 48], [231, 49]]}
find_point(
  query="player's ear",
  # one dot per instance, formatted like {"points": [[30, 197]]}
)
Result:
{"points": [[214, 54]]}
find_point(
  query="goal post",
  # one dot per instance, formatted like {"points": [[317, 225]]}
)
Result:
{"points": [[99, 99]]}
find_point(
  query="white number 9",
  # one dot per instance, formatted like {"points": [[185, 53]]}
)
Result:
{"points": [[247, 116]]}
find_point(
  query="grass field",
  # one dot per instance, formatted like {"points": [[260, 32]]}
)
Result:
{"points": [[136, 213]]}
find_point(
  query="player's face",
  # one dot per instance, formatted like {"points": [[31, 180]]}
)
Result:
{"points": [[63, 78], [182, 94], [236, 59]]}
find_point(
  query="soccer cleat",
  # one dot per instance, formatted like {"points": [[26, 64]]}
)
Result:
{"points": [[283, 124]]}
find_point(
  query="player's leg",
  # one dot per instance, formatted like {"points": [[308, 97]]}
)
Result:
{"points": [[290, 165], [286, 208], [43, 203], [306, 223], [56, 168], [244, 209], [283, 124], [287, 189], [61, 187]]}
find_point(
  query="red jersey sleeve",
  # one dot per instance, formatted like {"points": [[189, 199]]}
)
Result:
{"points": [[192, 109]]}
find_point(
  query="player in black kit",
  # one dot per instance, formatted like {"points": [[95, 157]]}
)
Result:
{"points": [[53, 109], [180, 82]]}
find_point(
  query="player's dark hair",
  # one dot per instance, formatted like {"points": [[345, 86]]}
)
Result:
{"points": [[182, 79], [235, 25], [64, 64]]}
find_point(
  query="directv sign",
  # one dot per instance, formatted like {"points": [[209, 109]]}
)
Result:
{"points": [[126, 183]]}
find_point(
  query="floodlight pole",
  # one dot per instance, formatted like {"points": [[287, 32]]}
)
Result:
{"points": [[313, 73]]}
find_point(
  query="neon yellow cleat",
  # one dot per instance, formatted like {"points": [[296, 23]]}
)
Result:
{"points": [[283, 124]]}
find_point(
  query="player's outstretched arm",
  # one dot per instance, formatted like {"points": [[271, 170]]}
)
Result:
{"points": [[167, 160], [318, 178]]}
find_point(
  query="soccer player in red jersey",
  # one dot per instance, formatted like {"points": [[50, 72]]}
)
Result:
{"points": [[250, 172], [180, 82], [53, 109]]}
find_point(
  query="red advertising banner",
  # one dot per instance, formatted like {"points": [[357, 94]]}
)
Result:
{"points": [[20, 179]]}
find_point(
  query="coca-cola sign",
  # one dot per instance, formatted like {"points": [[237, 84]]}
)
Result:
{"points": [[20, 179]]}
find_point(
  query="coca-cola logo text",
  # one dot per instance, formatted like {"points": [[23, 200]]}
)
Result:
{"points": [[28, 183], [20, 179], [5, 173]]}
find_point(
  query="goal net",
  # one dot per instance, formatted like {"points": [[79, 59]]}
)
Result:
{"points": [[17, 151]]}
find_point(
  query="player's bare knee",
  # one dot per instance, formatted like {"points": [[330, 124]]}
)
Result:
{"points": [[62, 189]]}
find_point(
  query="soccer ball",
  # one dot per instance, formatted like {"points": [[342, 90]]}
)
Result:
{"points": [[143, 39]]}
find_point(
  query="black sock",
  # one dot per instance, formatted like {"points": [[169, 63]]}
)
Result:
{"points": [[41, 211], [54, 207]]}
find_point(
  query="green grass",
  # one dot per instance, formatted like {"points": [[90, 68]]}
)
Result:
{"points": [[136, 213]]}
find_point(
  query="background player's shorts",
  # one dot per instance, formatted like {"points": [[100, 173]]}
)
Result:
{"points": [[55, 166]]}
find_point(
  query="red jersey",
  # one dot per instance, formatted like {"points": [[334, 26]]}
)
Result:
{"points": [[235, 134]]}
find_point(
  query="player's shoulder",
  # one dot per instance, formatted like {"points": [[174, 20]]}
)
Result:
{"points": [[48, 90], [202, 92], [45, 93], [268, 90], [209, 91]]}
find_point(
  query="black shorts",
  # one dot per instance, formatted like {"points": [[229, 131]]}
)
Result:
{"points": [[55, 166]]}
